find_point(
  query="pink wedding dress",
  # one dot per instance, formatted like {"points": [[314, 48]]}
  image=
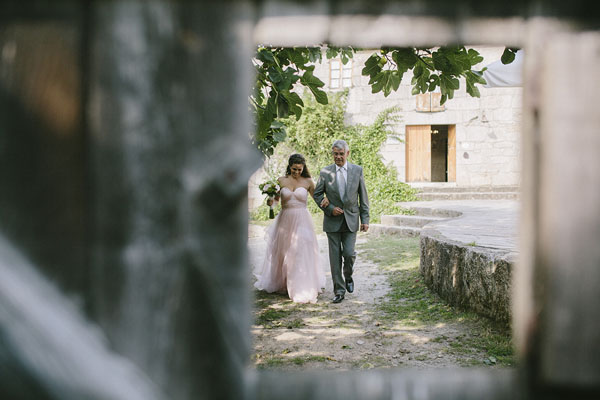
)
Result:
{"points": [[292, 260]]}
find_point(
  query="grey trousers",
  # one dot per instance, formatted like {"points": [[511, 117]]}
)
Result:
{"points": [[341, 248]]}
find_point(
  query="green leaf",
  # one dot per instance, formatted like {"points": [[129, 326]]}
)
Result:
{"points": [[441, 62], [472, 78], [404, 58], [421, 82], [434, 81], [314, 54], [472, 89], [377, 86], [265, 55], [279, 135], [449, 81], [372, 66], [476, 76], [295, 104], [332, 52], [508, 56], [308, 79], [275, 74], [418, 71], [297, 57], [474, 56], [347, 54], [386, 83], [277, 125], [320, 95], [282, 107], [448, 84], [263, 123], [293, 98], [375, 78], [271, 104], [395, 79]]}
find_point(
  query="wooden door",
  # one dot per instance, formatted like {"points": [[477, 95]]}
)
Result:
{"points": [[418, 153], [451, 153]]}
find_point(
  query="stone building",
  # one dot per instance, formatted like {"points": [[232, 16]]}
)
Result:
{"points": [[465, 142]]}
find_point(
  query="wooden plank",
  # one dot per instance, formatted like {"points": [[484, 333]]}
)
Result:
{"points": [[433, 384], [409, 157], [418, 153], [424, 153], [568, 256], [451, 153]]}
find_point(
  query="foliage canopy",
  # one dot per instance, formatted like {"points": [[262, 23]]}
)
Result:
{"points": [[279, 70]]}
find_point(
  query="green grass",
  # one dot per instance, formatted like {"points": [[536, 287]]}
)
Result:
{"points": [[493, 340], [305, 359], [270, 315], [275, 310], [411, 303], [274, 362], [408, 303]]}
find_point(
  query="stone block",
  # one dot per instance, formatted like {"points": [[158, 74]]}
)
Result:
{"points": [[503, 115]]}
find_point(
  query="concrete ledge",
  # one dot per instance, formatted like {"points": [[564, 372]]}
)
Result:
{"points": [[415, 221], [403, 231]]}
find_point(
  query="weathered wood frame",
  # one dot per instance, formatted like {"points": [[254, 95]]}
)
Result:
{"points": [[194, 63]]}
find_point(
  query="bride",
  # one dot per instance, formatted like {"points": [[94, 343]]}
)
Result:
{"points": [[292, 259]]}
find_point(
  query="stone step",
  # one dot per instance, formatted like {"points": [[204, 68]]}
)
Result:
{"points": [[415, 221], [402, 231], [468, 196], [470, 189], [433, 212]]}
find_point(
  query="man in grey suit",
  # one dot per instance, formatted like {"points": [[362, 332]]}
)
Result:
{"points": [[344, 185]]}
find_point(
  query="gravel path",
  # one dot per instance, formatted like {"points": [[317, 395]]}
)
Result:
{"points": [[349, 335]]}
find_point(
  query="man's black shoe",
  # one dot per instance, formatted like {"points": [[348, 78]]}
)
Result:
{"points": [[338, 298], [350, 285]]}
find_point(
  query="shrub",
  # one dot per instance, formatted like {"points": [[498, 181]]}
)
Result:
{"points": [[313, 134]]}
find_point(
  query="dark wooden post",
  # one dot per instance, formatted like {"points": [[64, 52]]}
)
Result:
{"points": [[170, 161], [556, 301], [125, 159]]}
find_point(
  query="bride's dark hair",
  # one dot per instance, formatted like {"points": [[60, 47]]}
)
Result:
{"points": [[297, 159]]}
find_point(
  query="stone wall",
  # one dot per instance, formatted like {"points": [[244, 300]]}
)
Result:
{"points": [[472, 278]]}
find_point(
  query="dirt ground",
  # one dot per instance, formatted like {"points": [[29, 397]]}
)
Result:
{"points": [[353, 334]]}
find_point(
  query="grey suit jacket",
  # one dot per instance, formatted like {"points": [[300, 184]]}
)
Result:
{"points": [[355, 204]]}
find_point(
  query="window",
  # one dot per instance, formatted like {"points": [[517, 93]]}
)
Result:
{"points": [[429, 102], [340, 75]]}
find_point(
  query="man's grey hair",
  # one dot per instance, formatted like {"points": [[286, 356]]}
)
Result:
{"points": [[340, 144]]}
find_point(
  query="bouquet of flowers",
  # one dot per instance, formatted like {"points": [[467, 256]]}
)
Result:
{"points": [[270, 188]]}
